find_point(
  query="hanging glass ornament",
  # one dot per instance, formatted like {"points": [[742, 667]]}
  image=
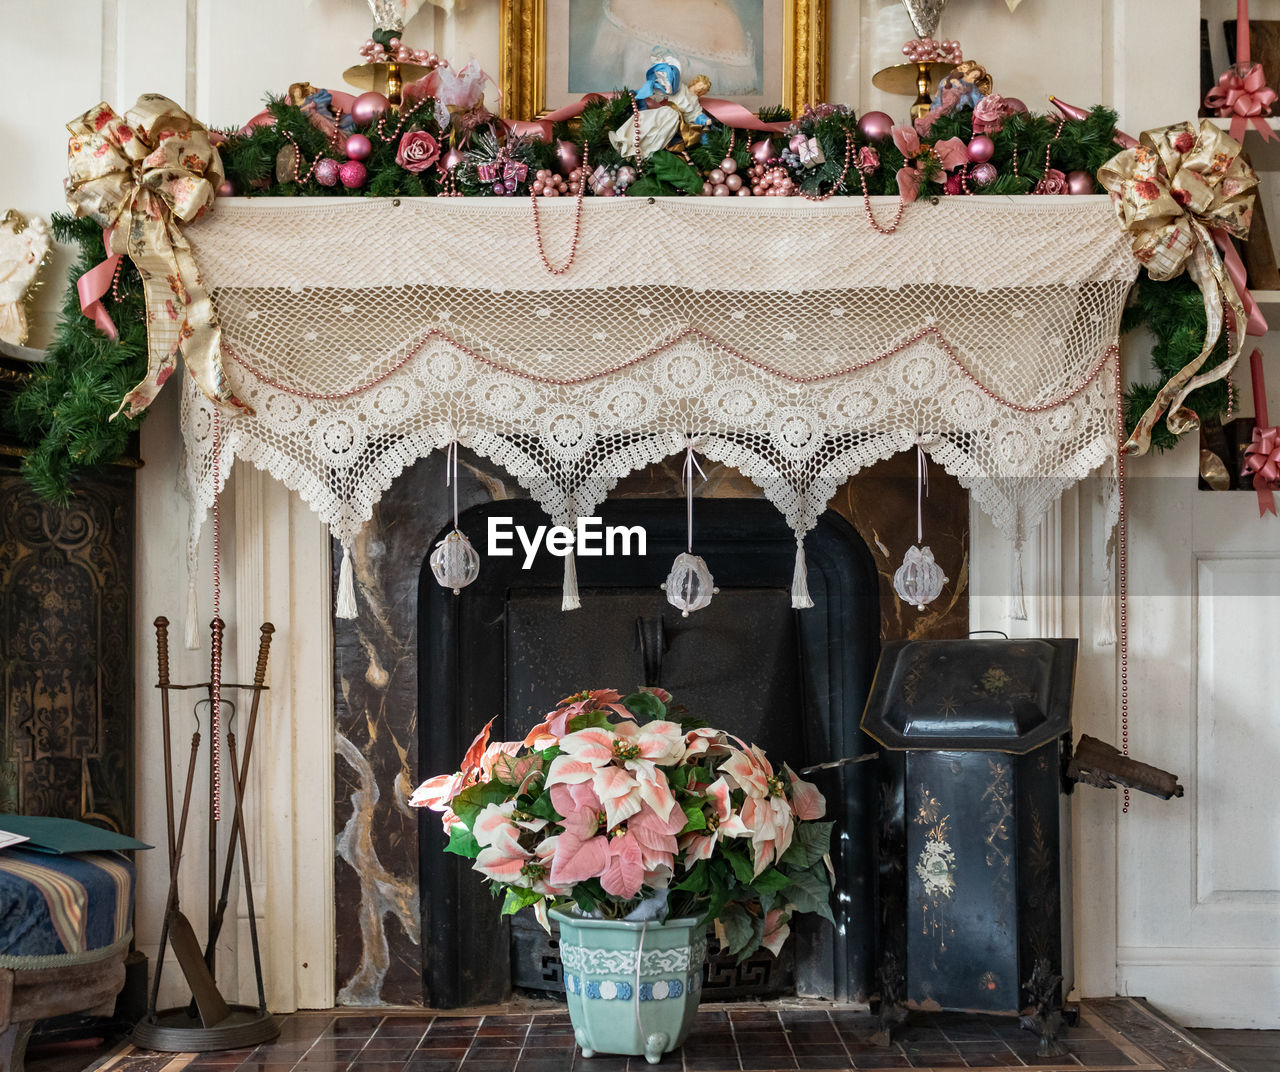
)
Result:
{"points": [[689, 585], [919, 579], [454, 562]]}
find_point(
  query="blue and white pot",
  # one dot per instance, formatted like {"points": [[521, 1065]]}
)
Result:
{"points": [[632, 988]]}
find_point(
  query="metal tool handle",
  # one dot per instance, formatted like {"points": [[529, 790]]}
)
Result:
{"points": [[162, 650], [264, 649]]}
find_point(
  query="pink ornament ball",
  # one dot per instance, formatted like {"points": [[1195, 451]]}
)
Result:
{"points": [[716, 177], [359, 147], [567, 157], [353, 174], [743, 191], [1079, 182], [734, 182], [451, 160], [368, 106], [227, 189], [720, 190], [981, 149], [875, 126], [762, 151], [984, 175], [728, 165], [326, 172]]}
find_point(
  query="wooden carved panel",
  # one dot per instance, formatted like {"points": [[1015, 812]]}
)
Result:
{"points": [[66, 665]]}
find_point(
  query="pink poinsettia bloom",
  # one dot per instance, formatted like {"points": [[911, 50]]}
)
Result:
{"points": [[908, 179], [556, 724], [624, 874], [952, 152], [656, 837], [806, 801], [437, 793], [500, 826], [772, 825], [721, 823], [528, 870], [621, 766], [705, 742], [907, 141], [750, 771], [777, 926]]}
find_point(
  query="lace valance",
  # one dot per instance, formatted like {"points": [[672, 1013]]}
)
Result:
{"points": [[788, 339]]}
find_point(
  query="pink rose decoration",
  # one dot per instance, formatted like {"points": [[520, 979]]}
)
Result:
{"points": [[954, 184], [1054, 182], [907, 141], [868, 159], [418, 151], [989, 113]]}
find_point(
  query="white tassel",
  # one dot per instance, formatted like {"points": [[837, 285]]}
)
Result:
{"points": [[571, 600], [346, 587], [800, 598], [1104, 635], [193, 614], [1017, 602]]}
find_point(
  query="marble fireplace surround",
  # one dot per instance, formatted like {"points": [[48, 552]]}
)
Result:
{"points": [[376, 680]]}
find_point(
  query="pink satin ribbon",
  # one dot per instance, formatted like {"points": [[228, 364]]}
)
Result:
{"points": [[1255, 323], [1246, 99], [727, 113], [1262, 460], [94, 284]]}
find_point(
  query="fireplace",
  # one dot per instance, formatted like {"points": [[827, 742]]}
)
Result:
{"points": [[385, 704], [793, 682]]}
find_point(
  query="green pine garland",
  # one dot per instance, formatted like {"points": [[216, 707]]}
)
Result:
{"points": [[64, 414]]}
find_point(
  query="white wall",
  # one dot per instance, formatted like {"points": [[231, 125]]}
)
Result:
{"points": [[218, 59]]}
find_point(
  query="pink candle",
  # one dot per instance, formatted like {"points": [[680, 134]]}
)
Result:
{"points": [[1259, 390], [1242, 33]]}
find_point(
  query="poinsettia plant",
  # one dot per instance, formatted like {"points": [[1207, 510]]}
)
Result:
{"points": [[612, 806]]}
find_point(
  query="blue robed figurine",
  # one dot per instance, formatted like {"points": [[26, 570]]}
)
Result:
{"points": [[670, 106]]}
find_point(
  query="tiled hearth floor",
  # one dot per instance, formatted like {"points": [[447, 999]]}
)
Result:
{"points": [[1112, 1035]]}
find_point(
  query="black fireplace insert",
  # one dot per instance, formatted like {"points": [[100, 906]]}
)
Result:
{"points": [[794, 682]]}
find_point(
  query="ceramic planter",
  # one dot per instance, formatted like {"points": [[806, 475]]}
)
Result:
{"points": [[617, 1006]]}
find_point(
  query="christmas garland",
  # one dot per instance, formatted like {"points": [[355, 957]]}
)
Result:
{"points": [[64, 412]]}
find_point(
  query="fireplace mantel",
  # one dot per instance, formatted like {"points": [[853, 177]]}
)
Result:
{"points": [[793, 341]]}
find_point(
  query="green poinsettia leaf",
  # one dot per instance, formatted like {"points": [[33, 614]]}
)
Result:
{"points": [[743, 870], [812, 841], [770, 880], [472, 800], [542, 808], [693, 816], [809, 892], [645, 705], [518, 898], [743, 930], [462, 842]]}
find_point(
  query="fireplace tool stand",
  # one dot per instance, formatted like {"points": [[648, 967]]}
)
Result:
{"points": [[208, 1022]]}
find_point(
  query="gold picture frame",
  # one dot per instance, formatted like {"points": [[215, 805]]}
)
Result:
{"points": [[523, 55]]}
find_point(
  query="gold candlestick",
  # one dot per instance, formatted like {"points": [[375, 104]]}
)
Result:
{"points": [[917, 78]]}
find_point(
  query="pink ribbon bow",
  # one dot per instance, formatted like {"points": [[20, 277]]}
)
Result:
{"points": [[93, 286], [1262, 460], [1245, 98]]}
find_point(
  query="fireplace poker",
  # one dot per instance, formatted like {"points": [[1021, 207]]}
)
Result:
{"points": [[240, 779], [162, 658], [839, 763]]}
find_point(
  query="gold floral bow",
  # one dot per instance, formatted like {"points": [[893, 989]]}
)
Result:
{"points": [[139, 177], [1180, 184]]}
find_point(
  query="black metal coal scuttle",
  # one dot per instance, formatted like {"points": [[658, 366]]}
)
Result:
{"points": [[974, 885]]}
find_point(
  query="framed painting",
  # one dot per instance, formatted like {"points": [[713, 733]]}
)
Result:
{"points": [[757, 53]]}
